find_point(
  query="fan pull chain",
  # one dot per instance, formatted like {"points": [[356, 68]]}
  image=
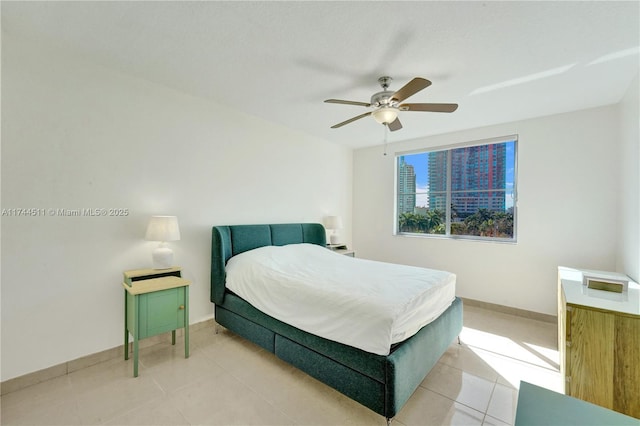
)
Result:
{"points": [[386, 134]]}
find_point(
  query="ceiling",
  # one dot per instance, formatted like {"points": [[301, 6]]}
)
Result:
{"points": [[500, 61]]}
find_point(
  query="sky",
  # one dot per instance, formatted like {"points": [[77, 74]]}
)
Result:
{"points": [[420, 166]]}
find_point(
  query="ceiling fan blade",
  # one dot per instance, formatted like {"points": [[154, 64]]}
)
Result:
{"points": [[429, 107], [411, 88], [395, 125], [351, 120], [338, 101]]}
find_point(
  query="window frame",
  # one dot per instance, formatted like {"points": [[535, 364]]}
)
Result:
{"points": [[448, 148]]}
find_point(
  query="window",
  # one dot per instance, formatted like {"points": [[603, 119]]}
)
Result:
{"points": [[468, 191]]}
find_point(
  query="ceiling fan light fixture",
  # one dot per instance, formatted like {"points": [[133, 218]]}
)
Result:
{"points": [[386, 105], [385, 115]]}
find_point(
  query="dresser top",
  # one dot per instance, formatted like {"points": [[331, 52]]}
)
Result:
{"points": [[576, 293]]}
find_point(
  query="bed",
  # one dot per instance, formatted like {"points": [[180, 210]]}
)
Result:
{"points": [[383, 383]]}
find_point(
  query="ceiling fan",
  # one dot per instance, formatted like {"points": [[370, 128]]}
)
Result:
{"points": [[386, 104]]}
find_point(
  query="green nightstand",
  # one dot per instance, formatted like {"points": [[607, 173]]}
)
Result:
{"points": [[156, 301]]}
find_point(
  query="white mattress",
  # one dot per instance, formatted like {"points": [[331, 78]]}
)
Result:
{"points": [[362, 303]]}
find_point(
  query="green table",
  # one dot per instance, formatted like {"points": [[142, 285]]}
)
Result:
{"points": [[156, 301]]}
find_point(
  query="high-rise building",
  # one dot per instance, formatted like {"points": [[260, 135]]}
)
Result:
{"points": [[406, 187], [438, 180], [475, 172]]}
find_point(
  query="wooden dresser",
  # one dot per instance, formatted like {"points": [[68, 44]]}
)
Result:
{"points": [[599, 343]]}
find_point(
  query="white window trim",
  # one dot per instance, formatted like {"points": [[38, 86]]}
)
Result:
{"points": [[447, 235]]}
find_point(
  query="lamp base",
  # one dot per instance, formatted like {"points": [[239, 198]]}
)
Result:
{"points": [[334, 239], [162, 257]]}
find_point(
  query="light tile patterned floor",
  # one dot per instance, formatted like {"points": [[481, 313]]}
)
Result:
{"points": [[229, 381]]}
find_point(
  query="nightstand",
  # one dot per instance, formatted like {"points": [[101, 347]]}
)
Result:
{"points": [[341, 249], [346, 252], [156, 301]]}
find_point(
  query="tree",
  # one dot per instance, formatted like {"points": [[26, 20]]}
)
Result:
{"points": [[408, 222], [429, 223], [433, 221], [485, 223]]}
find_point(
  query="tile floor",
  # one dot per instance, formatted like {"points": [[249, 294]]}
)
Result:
{"points": [[228, 380]]}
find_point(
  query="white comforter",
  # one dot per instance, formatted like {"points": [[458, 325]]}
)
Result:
{"points": [[362, 303]]}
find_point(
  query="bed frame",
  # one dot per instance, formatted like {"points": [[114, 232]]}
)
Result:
{"points": [[381, 383]]}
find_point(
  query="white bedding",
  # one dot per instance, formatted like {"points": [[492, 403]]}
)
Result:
{"points": [[362, 303]]}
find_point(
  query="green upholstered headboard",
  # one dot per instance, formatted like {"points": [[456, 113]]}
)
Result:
{"points": [[227, 241]]}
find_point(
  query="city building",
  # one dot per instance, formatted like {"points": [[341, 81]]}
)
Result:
{"points": [[438, 180], [478, 177], [406, 187]]}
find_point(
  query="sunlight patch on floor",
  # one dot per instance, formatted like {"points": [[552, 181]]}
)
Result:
{"points": [[515, 360]]}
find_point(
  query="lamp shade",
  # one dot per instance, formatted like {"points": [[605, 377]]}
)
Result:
{"points": [[385, 115], [163, 228], [333, 222]]}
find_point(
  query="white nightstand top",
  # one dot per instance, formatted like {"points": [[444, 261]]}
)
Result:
{"points": [[344, 251]]}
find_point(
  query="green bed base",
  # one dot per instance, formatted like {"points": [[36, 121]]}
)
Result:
{"points": [[381, 383]]}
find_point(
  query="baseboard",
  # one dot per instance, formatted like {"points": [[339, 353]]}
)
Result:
{"points": [[49, 373], [512, 311]]}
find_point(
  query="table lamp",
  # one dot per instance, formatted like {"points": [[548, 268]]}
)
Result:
{"points": [[162, 229], [333, 223]]}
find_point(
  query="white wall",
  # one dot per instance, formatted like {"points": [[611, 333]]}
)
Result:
{"points": [[75, 135], [628, 260], [567, 177]]}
